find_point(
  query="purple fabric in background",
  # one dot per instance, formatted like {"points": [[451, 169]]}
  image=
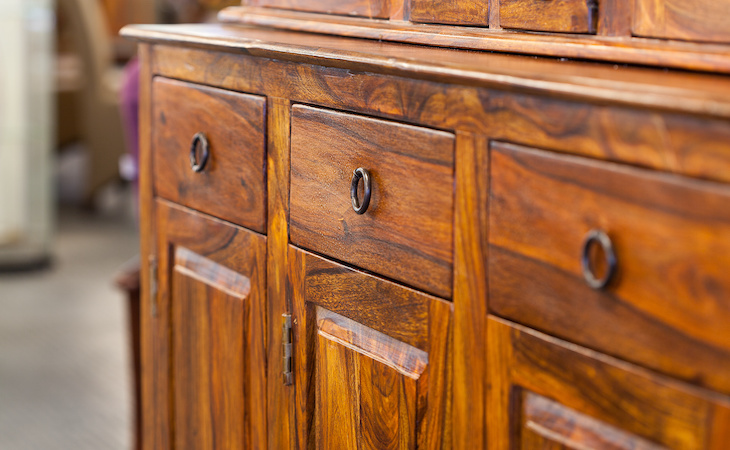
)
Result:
{"points": [[129, 104]]}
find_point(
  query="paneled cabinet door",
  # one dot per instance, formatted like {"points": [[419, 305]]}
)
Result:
{"points": [[212, 278], [370, 359], [545, 393]]}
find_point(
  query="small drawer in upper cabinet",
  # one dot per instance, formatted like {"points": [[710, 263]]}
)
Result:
{"points": [[696, 20], [209, 151], [560, 16], [624, 260], [372, 9], [405, 231]]}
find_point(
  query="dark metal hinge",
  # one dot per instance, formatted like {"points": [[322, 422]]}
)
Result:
{"points": [[286, 344]]}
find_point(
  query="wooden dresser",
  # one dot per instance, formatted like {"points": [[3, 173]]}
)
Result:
{"points": [[434, 239]]}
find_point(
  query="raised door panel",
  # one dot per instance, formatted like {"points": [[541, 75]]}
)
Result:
{"points": [[212, 290], [548, 393], [370, 359]]}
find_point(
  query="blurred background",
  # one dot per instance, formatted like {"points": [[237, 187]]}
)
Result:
{"points": [[68, 220]]}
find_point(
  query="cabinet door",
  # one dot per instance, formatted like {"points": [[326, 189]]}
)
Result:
{"points": [[545, 393], [370, 359], [212, 291]]}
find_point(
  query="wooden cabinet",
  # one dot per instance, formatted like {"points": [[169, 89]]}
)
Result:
{"points": [[541, 263], [211, 300]]}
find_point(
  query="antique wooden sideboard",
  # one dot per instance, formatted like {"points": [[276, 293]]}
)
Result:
{"points": [[388, 231]]}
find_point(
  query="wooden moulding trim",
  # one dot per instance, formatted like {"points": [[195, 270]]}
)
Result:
{"points": [[629, 50], [262, 43]]}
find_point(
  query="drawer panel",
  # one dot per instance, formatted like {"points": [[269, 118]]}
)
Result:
{"points": [[373, 9], [550, 394], [231, 185], [562, 16], [667, 305], [406, 232], [698, 20]]}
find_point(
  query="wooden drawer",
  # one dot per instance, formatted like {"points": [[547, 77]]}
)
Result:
{"points": [[667, 305], [563, 16], [697, 20], [373, 9], [546, 393], [231, 186], [406, 232]]}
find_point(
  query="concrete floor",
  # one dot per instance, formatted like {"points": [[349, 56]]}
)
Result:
{"points": [[64, 357]]}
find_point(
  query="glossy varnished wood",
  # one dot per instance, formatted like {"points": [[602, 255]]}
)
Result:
{"points": [[547, 393], [371, 360], [566, 16], [667, 307], [374, 9], [697, 20], [280, 397], [605, 47], [212, 294], [459, 12], [232, 183], [672, 142], [407, 231]]}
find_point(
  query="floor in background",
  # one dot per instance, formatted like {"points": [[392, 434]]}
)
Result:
{"points": [[64, 355]]}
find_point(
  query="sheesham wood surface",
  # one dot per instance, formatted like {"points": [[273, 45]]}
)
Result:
{"points": [[376, 9], [280, 398], [345, 328], [458, 12], [407, 231], [680, 143], [211, 301], [698, 20], [623, 406], [613, 21], [232, 184], [567, 16], [667, 307], [210, 316]]}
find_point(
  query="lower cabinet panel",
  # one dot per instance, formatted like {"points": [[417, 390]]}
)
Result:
{"points": [[212, 289], [371, 359], [547, 393]]}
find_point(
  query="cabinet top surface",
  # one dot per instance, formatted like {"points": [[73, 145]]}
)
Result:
{"points": [[655, 88]]}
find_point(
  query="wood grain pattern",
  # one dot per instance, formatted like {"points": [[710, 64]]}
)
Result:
{"points": [[699, 20], [677, 143], [280, 397], [361, 386], [153, 327], [213, 291], [210, 313], [457, 12], [565, 16], [407, 231], [675, 54], [667, 307], [232, 185], [373, 9], [470, 289], [644, 408]]}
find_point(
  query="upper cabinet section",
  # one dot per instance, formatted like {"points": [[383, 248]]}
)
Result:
{"points": [[403, 189], [374, 9], [209, 151], [565, 16]]}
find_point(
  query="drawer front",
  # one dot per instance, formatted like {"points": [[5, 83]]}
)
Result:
{"points": [[698, 20], [666, 305], [231, 184], [374, 9], [547, 393], [562, 16], [406, 231]]}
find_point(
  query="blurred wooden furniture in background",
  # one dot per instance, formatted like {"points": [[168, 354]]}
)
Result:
{"points": [[410, 246]]}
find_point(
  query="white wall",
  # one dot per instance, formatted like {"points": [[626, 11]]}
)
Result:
{"points": [[26, 128]]}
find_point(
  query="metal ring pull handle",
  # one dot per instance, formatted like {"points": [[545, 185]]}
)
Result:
{"points": [[360, 207], [199, 140], [602, 239]]}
